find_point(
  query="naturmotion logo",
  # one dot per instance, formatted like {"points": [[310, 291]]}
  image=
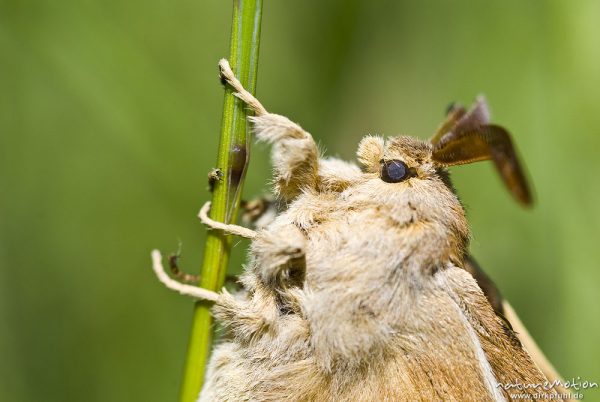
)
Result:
{"points": [[574, 384], [564, 389]]}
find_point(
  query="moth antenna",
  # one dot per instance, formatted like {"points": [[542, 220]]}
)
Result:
{"points": [[484, 143], [454, 113], [458, 119], [467, 137], [477, 116]]}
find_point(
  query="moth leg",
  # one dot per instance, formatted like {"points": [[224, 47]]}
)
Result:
{"points": [[295, 154], [185, 277], [280, 256], [336, 174], [249, 317], [280, 267], [260, 212], [178, 272], [187, 290], [227, 76], [244, 319], [226, 228]]}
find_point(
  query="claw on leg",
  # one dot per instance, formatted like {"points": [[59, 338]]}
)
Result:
{"points": [[188, 290], [247, 97], [191, 278], [228, 229], [178, 273]]}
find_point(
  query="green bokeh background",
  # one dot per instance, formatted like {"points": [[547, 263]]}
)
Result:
{"points": [[109, 123]]}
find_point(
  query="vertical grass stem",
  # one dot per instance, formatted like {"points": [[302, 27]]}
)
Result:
{"points": [[232, 160]]}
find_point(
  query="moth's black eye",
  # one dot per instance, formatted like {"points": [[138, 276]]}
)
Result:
{"points": [[394, 171]]}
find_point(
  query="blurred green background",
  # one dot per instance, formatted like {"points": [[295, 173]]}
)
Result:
{"points": [[109, 121]]}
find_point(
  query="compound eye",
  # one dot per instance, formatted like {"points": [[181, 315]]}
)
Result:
{"points": [[394, 171]]}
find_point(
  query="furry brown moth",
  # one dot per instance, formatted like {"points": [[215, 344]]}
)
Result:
{"points": [[359, 285]]}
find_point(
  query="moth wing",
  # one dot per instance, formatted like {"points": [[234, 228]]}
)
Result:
{"points": [[504, 311], [508, 360], [530, 345], [489, 288]]}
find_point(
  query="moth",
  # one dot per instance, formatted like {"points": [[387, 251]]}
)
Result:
{"points": [[359, 284]]}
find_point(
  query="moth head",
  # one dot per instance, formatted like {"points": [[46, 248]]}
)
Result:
{"points": [[463, 137]]}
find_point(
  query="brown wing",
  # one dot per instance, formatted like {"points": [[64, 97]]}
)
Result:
{"points": [[532, 348], [489, 288], [506, 313], [503, 348]]}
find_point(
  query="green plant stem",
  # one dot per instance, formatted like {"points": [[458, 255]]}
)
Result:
{"points": [[232, 160]]}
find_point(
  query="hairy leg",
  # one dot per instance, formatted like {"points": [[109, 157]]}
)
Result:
{"points": [[295, 154], [226, 228], [187, 290], [260, 212], [244, 317], [280, 256], [295, 157]]}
